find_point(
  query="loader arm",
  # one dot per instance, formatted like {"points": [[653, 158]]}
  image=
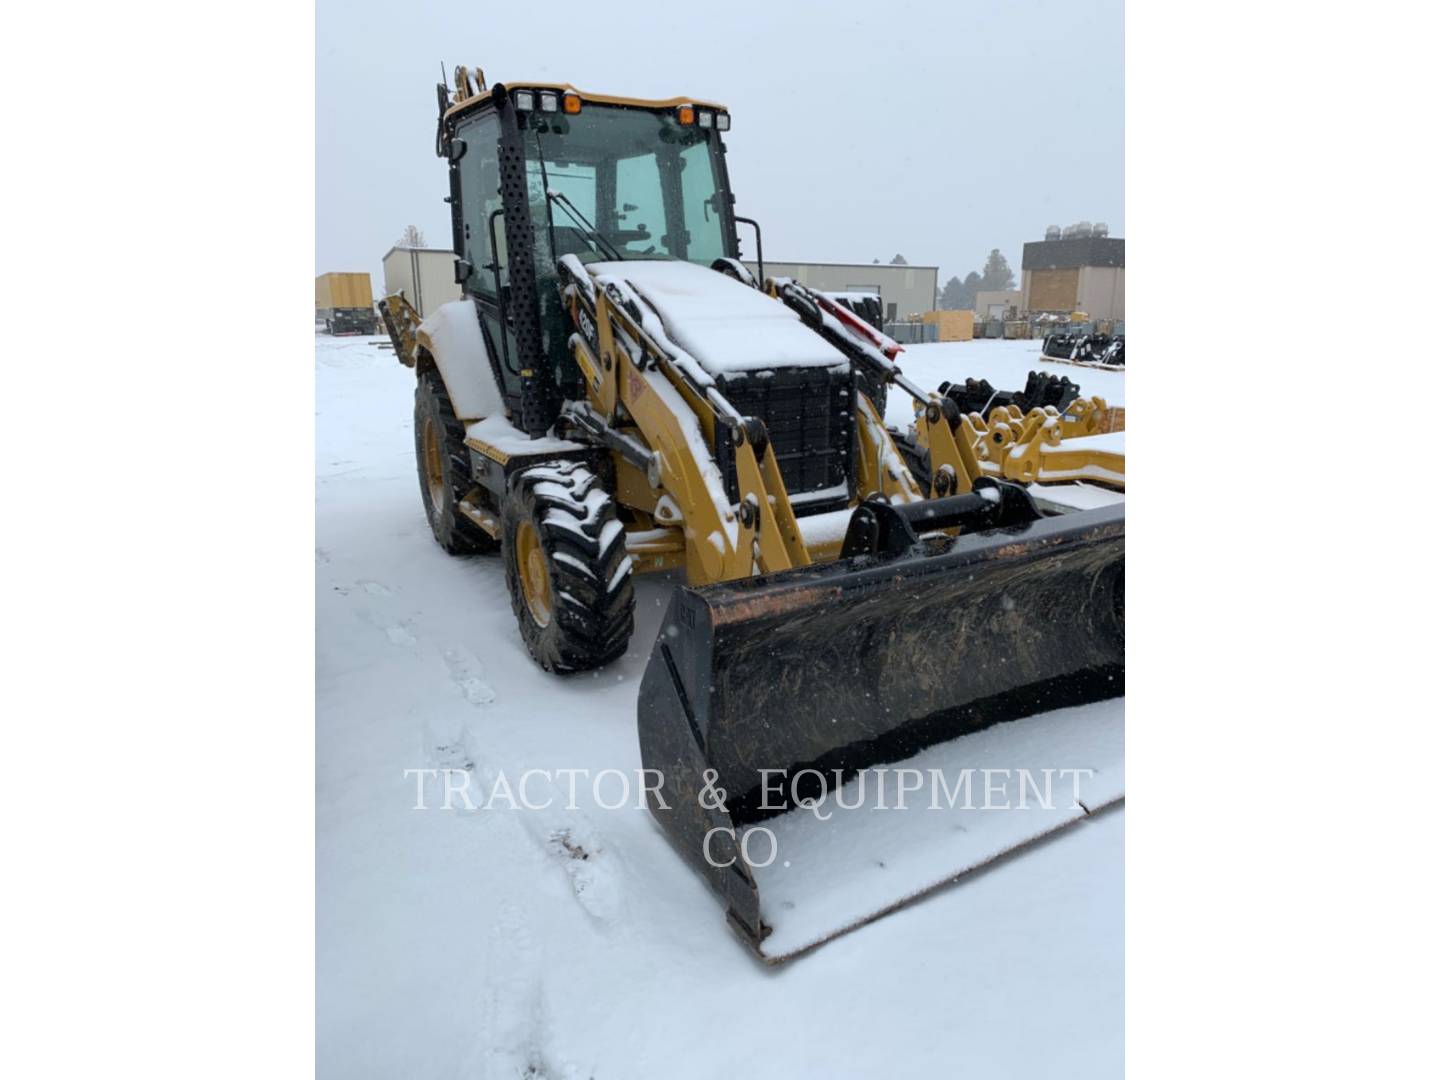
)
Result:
{"points": [[680, 421], [880, 468], [954, 465]]}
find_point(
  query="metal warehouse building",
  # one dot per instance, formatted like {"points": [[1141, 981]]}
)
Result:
{"points": [[903, 290], [424, 276], [1085, 273]]}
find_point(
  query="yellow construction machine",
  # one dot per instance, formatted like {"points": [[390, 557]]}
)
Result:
{"points": [[616, 394]]}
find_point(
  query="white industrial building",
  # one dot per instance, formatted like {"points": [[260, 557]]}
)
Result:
{"points": [[424, 276]]}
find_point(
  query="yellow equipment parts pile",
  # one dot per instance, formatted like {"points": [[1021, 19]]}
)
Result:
{"points": [[1046, 446]]}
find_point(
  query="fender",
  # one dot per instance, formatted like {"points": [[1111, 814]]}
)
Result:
{"points": [[451, 336]]}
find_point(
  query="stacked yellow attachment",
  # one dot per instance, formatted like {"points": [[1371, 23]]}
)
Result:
{"points": [[1084, 443]]}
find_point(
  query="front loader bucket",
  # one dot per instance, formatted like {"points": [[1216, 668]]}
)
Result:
{"points": [[1007, 634]]}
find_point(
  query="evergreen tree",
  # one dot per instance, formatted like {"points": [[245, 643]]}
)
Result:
{"points": [[952, 297], [997, 274], [968, 288]]}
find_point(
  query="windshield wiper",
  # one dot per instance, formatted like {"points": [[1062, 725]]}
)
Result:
{"points": [[576, 216], [552, 196]]}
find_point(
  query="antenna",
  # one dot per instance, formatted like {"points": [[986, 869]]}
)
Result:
{"points": [[442, 76]]}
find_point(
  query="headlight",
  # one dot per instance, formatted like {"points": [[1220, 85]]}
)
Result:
{"points": [[705, 118], [549, 101], [524, 99], [722, 121]]}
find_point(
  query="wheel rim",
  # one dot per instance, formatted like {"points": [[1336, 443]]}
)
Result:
{"points": [[434, 465], [534, 575]]}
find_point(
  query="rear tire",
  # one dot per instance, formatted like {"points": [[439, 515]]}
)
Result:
{"points": [[567, 568], [443, 462]]}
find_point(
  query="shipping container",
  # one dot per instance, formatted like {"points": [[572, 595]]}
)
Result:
{"points": [[344, 302]]}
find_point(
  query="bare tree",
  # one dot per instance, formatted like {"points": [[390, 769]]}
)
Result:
{"points": [[411, 238]]}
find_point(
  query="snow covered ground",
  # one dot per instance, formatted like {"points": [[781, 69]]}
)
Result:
{"points": [[559, 943]]}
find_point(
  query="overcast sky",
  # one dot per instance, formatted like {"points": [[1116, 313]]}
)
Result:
{"points": [[937, 130]]}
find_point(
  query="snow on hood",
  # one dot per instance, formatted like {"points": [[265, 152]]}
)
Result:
{"points": [[727, 327]]}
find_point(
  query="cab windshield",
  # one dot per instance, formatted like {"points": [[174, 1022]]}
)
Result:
{"points": [[648, 186]]}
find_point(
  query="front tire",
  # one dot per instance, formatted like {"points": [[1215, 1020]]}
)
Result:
{"points": [[567, 568], [443, 462]]}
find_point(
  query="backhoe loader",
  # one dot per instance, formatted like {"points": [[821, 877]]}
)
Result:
{"points": [[616, 394]]}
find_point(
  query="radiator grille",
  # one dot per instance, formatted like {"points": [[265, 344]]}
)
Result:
{"points": [[810, 415]]}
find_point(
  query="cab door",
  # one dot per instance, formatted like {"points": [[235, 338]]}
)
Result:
{"points": [[480, 243]]}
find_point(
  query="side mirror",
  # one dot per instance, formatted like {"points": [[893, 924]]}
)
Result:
{"points": [[457, 149]]}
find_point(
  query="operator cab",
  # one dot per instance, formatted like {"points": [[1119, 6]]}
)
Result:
{"points": [[538, 172]]}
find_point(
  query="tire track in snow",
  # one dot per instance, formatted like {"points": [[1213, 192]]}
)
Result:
{"points": [[592, 869], [468, 674]]}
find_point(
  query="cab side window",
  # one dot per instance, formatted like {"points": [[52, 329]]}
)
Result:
{"points": [[480, 185]]}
